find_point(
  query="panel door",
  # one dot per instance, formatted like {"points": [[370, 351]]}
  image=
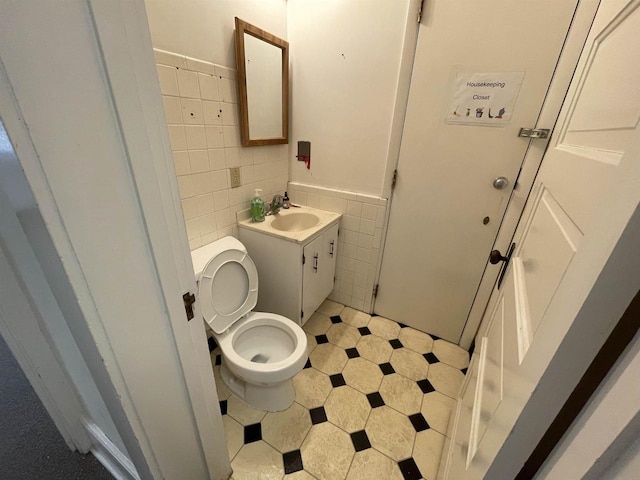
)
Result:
{"points": [[586, 190], [438, 241], [328, 260]]}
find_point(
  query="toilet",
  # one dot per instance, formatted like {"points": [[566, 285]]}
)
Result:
{"points": [[261, 352]]}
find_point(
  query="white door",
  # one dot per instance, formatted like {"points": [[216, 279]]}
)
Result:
{"points": [[437, 243], [586, 190]]}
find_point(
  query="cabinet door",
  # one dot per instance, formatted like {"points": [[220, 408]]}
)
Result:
{"points": [[312, 290], [328, 256]]}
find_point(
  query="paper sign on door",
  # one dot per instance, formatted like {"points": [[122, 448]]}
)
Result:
{"points": [[484, 98]]}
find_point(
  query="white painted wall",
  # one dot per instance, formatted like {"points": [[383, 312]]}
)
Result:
{"points": [[345, 63], [204, 29]]}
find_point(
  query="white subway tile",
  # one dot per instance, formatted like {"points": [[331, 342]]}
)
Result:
{"points": [[177, 137], [228, 90], [196, 138], [211, 113], [364, 255], [351, 223], [205, 204], [199, 66], [362, 268], [199, 161], [338, 205], [350, 237], [357, 303], [181, 162], [221, 199], [172, 109], [246, 156], [225, 218], [208, 87], [195, 243], [230, 114], [231, 137], [365, 241], [358, 294], [193, 228], [169, 58], [377, 238], [354, 208], [215, 137], [260, 172], [380, 217], [185, 186], [209, 238], [192, 111], [369, 212], [348, 263], [189, 208], [217, 159], [168, 80], [202, 183], [188, 84], [233, 157], [347, 195], [235, 197], [247, 174], [226, 72], [367, 226], [207, 224], [219, 178]]}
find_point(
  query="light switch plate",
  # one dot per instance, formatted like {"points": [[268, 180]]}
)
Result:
{"points": [[235, 177]]}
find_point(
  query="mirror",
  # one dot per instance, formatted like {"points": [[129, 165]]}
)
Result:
{"points": [[263, 85]]}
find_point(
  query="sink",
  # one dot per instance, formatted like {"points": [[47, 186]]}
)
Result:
{"points": [[295, 222]]}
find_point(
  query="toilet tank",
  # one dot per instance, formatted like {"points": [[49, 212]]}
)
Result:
{"points": [[201, 256]]}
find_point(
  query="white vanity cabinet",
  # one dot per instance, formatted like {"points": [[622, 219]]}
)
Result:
{"points": [[294, 276]]}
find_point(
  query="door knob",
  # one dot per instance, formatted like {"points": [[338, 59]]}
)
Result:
{"points": [[500, 183], [495, 256]]}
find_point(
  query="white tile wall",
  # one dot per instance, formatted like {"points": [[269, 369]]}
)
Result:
{"points": [[201, 108], [359, 243]]}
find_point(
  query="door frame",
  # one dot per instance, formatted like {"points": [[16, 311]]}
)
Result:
{"points": [[123, 49], [565, 67]]}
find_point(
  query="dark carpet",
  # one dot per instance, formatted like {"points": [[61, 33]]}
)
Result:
{"points": [[30, 445]]}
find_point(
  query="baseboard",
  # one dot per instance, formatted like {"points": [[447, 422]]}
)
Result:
{"points": [[109, 455]]}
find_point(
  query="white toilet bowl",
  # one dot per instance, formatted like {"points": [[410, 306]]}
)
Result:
{"points": [[261, 352]]}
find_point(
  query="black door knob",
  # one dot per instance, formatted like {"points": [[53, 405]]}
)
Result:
{"points": [[495, 256]]}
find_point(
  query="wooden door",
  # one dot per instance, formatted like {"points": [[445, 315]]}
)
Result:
{"points": [[585, 193], [438, 241]]}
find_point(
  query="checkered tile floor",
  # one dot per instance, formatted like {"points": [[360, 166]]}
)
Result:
{"points": [[373, 402]]}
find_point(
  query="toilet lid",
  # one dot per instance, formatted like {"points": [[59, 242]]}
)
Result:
{"points": [[228, 288]]}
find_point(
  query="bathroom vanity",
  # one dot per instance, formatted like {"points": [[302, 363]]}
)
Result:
{"points": [[295, 254]]}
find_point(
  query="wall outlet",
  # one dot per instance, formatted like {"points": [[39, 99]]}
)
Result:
{"points": [[235, 177]]}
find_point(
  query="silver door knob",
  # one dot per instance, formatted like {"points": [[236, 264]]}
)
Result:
{"points": [[500, 183]]}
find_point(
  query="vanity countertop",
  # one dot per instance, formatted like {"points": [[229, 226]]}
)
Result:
{"points": [[299, 235]]}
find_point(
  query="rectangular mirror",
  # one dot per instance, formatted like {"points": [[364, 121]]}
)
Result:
{"points": [[263, 85]]}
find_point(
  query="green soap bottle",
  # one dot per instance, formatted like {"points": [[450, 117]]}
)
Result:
{"points": [[257, 207]]}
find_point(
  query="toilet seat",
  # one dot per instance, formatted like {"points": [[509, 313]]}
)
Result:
{"points": [[228, 288]]}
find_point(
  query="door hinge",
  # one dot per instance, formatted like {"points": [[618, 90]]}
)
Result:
{"points": [[301, 313], [375, 290], [534, 132], [189, 299], [394, 179], [303, 259], [420, 10]]}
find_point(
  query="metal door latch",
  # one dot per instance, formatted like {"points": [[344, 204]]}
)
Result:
{"points": [[534, 132], [189, 299]]}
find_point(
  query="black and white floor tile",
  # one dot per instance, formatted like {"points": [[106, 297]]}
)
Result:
{"points": [[373, 401]]}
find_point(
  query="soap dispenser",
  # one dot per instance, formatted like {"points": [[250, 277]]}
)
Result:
{"points": [[257, 207]]}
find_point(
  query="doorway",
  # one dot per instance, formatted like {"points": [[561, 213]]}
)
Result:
{"points": [[447, 206]]}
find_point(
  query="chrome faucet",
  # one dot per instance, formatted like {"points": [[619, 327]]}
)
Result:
{"points": [[275, 205]]}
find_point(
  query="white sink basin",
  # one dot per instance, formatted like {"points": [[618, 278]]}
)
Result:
{"points": [[295, 222]]}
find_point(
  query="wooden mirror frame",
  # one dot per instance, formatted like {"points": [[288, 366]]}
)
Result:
{"points": [[243, 27]]}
